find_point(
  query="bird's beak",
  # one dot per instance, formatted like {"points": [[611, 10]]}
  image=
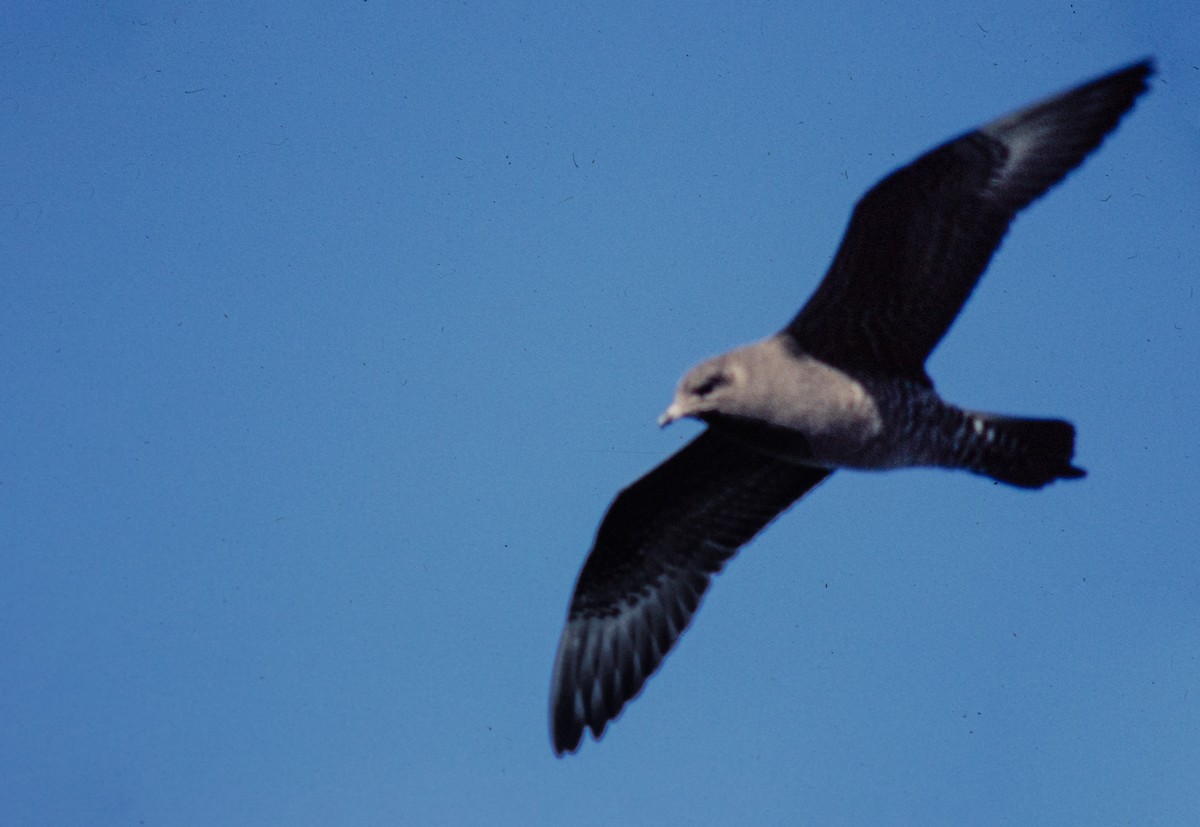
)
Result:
{"points": [[670, 415]]}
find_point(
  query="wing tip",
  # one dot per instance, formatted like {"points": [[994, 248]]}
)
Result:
{"points": [[1147, 67], [565, 737], [1137, 75], [588, 695], [601, 667]]}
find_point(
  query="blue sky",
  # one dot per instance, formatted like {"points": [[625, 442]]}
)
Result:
{"points": [[329, 336]]}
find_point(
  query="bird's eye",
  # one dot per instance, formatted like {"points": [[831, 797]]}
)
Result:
{"points": [[710, 384]]}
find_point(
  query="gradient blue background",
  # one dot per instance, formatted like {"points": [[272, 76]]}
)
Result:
{"points": [[328, 336]]}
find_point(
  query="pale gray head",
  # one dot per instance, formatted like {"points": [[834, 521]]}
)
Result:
{"points": [[706, 388]]}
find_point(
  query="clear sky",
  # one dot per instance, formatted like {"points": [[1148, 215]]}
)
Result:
{"points": [[328, 336]]}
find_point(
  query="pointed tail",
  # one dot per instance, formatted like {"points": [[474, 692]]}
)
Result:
{"points": [[1028, 453]]}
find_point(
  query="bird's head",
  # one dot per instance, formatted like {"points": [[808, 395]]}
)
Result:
{"points": [[702, 390]]}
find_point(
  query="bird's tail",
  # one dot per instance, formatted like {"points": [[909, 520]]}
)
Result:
{"points": [[1028, 453]]}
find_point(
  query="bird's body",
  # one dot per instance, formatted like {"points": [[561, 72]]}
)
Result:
{"points": [[843, 385], [781, 401]]}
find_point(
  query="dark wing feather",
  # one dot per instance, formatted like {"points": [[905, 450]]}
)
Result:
{"points": [[658, 545], [919, 240]]}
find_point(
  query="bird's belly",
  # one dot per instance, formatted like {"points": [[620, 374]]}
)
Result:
{"points": [[859, 450], [894, 432], [849, 445]]}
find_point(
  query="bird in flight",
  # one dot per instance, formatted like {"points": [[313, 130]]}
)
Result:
{"points": [[842, 386]]}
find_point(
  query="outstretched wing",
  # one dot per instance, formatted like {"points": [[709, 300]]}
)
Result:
{"points": [[919, 240], [658, 545]]}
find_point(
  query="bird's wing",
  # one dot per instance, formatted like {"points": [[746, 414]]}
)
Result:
{"points": [[919, 240], [658, 545]]}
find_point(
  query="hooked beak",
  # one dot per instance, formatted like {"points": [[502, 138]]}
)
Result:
{"points": [[670, 415]]}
